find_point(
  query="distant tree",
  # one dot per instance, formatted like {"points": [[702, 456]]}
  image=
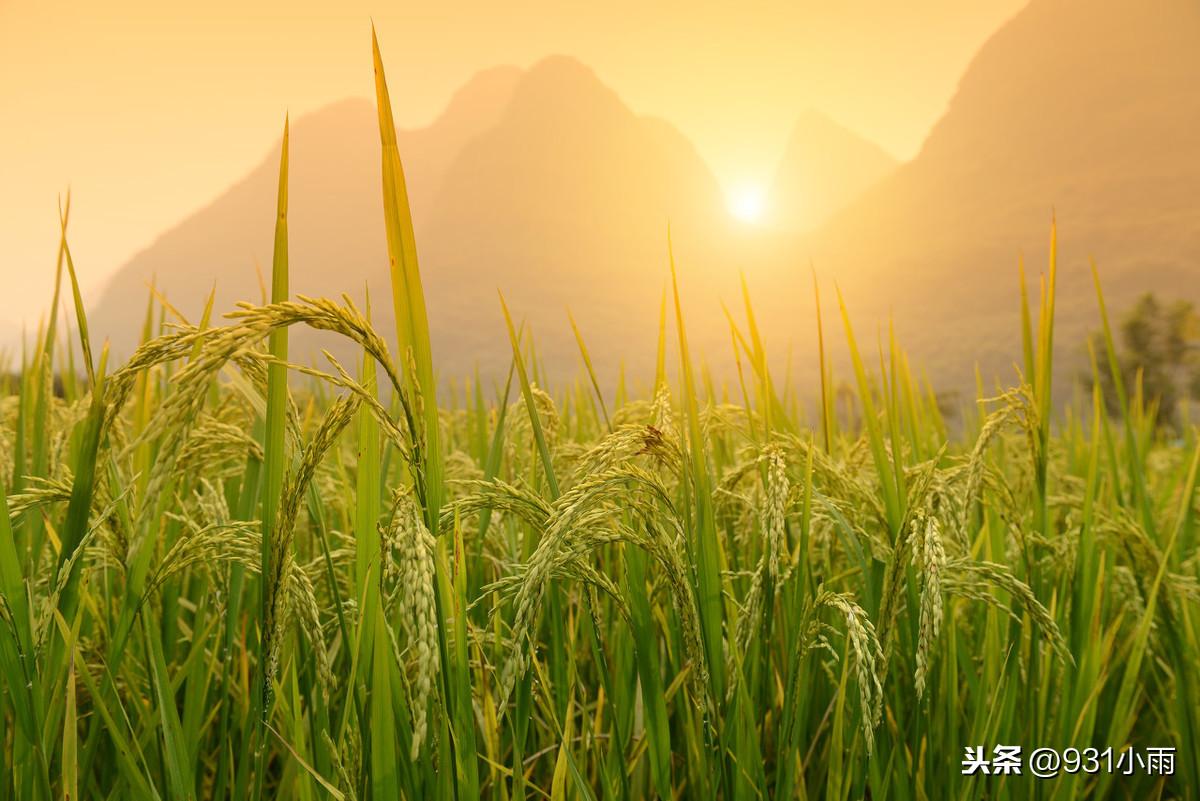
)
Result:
{"points": [[1162, 343]]}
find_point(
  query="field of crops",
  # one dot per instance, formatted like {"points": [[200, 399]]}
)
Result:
{"points": [[228, 576]]}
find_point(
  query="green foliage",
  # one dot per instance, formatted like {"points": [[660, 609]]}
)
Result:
{"points": [[1160, 352]]}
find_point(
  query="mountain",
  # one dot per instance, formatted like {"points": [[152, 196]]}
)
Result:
{"points": [[543, 184], [1083, 109], [565, 203], [540, 182], [337, 240], [824, 167]]}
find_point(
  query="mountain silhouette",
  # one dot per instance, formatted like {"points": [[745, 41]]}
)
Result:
{"points": [[824, 167], [335, 217], [540, 182], [543, 184], [565, 203], [1083, 109]]}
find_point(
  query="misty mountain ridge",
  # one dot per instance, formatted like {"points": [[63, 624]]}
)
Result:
{"points": [[539, 182], [335, 211], [1100, 134], [542, 183], [824, 167]]}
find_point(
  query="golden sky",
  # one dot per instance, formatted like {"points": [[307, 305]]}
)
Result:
{"points": [[147, 110]]}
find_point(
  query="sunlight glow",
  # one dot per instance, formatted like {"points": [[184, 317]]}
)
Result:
{"points": [[747, 203]]}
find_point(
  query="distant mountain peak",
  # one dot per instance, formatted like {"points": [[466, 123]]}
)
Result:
{"points": [[483, 95], [539, 181], [1088, 108], [812, 118], [563, 70], [562, 88], [824, 167]]}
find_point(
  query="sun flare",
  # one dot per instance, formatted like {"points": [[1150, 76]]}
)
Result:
{"points": [[747, 203]]}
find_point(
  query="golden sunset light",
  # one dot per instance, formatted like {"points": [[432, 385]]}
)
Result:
{"points": [[691, 401], [747, 203]]}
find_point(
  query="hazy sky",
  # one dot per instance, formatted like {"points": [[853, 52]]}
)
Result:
{"points": [[147, 110]]}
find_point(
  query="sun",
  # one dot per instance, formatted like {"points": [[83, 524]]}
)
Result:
{"points": [[747, 203]]}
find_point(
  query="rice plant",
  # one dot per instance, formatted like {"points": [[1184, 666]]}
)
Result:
{"points": [[225, 575]]}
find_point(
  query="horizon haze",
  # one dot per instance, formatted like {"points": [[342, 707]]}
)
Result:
{"points": [[547, 183], [147, 113]]}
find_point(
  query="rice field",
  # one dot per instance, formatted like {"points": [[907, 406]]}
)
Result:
{"points": [[226, 575]]}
